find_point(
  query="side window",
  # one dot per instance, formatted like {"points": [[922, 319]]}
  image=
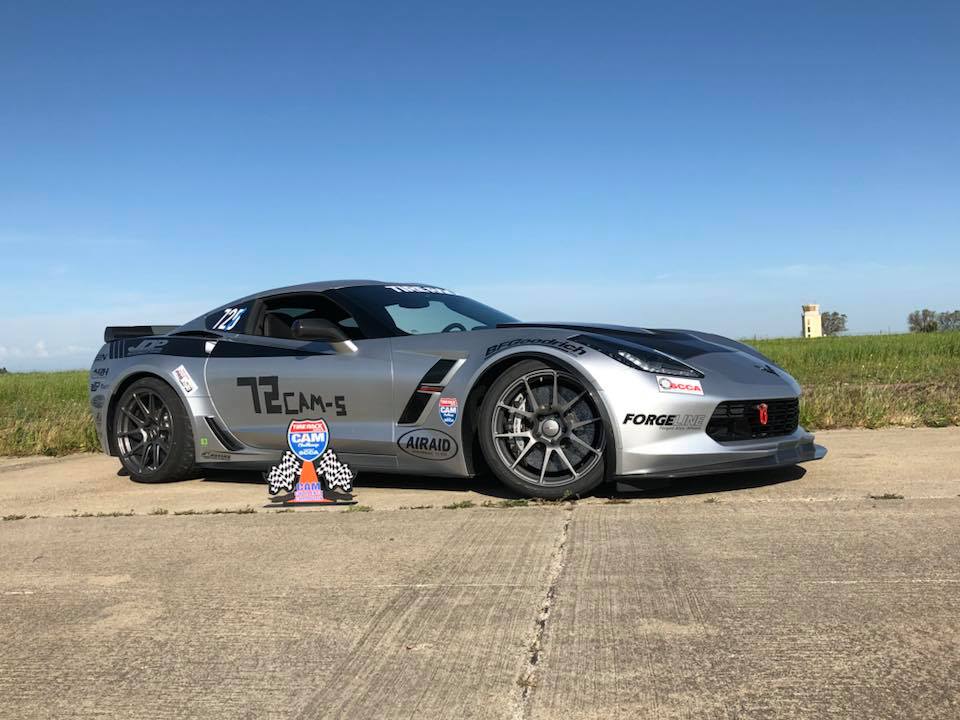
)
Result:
{"points": [[279, 314]]}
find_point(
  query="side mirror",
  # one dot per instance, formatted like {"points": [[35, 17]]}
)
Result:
{"points": [[318, 329]]}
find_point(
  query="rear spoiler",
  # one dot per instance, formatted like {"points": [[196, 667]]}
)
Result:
{"points": [[115, 332]]}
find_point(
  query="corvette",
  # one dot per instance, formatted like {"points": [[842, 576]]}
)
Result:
{"points": [[416, 379]]}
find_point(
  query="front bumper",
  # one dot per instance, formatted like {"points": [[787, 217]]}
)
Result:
{"points": [[698, 454]]}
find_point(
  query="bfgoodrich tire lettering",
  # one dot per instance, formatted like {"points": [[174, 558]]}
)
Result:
{"points": [[542, 432], [153, 433]]}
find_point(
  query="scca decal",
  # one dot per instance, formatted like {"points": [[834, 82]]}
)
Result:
{"points": [[684, 386], [287, 403], [667, 422], [564, 345]]}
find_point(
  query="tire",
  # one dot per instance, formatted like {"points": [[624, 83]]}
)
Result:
{"points": [[153, 433], [555, 451]]}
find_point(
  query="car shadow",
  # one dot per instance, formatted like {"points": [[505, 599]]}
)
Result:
{"points": [[490, 487]]}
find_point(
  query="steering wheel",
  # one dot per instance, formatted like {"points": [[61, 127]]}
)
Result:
{"points": [[454, 326]]}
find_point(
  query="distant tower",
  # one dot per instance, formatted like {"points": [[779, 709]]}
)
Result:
{"points": [[811, 321]]}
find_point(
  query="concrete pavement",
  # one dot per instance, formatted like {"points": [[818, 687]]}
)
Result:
{"points": [[788, 594]]}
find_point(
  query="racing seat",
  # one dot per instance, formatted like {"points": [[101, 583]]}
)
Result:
{"points": [[278, 325]]}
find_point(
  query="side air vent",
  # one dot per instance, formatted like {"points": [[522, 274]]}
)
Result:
{"points": [[428, 386], [222, 435]]}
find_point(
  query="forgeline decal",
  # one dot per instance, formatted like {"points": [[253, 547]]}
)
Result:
{"points": [[564, 345], [666, 422], [97, 401], [183, 377], [449, 408], [291, 402], [146, 347], [683, 386], [419, 289], [428, 444]]}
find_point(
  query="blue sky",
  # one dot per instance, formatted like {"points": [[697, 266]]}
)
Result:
{"points": [[708, 165]]}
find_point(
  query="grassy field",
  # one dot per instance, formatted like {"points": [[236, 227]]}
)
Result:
{"points": [[871, 381], [45, 414], [875, 380]]}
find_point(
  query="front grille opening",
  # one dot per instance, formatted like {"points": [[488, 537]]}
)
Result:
{"points": [[740, 419]]}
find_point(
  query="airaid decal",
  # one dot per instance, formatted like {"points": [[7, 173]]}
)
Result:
{"points": [[428, 444], [666, 422], [564, 345]]}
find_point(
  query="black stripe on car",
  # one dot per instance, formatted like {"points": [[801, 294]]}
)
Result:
{"points": [[428, 386]]}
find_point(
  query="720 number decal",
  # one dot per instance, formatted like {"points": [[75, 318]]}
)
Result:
{"points": [[229, 319]]}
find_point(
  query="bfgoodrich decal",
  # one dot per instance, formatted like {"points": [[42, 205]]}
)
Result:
{"points": [[428, 444], [564, 345]]}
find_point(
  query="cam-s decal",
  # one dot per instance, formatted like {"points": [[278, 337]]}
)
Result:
{"points": [[292, 402]]}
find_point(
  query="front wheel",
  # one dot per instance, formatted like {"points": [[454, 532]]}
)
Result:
{"points": [[542, 432], [153, 433]]}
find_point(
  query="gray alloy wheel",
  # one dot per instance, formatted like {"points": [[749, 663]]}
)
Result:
{"points": [[152, 432], [542, 432]]}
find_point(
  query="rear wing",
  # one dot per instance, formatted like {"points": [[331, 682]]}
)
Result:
{"points": [[115, 332]]}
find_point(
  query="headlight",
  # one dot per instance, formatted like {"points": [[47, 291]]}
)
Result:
{"points": [[640, 358]]}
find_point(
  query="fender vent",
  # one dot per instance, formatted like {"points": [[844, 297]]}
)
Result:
{"points": [[428, 386], [222, 435]]}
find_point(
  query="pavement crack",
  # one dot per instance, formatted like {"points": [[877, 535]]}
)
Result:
{"points": [[528, 678]]}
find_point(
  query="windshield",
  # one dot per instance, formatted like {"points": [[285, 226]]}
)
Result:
{"points": [[419, 310]]}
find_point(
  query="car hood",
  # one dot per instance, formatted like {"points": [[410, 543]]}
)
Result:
{"points": [[706, 352]]}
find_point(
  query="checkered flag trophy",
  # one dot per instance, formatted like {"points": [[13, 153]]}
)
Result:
{"points": [[328, 474]]}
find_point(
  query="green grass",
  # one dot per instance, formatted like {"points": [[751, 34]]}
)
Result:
{"points": [[45, 414], [875, 380], [871, 381]]}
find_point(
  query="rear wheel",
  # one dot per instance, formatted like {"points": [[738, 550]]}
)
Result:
{"points": [[542, 432], [153, 433]]}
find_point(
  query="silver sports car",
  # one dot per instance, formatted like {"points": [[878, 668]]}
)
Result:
{"points": [[418, 380]]}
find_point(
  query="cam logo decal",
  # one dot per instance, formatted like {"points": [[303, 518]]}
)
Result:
{"points": [[310, 473], [684, 386], [308, 439], [449, 409]]}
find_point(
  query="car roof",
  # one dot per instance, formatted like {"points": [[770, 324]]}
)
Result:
{"points": [[321, 286]]}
